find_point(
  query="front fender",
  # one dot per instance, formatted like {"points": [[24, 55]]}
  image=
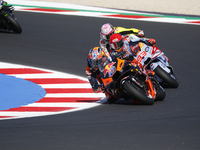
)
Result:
{"points": [[162, 65]]}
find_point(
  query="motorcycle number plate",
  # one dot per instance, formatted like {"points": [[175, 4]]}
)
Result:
{"points": [[141, 56]]}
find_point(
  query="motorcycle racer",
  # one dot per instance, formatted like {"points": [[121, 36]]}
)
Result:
{"points": [[2, 3], [107, 30], [126, 45], [126, 48], [93, 72], [92, 69]]}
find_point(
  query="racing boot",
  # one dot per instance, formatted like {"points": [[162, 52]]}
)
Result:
{"points": [[110, 98]]}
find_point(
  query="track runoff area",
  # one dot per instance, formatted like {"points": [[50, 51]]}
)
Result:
{"points": [[30, 92]]}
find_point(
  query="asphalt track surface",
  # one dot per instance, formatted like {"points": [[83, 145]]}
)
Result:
{"points": [[61, 43]]}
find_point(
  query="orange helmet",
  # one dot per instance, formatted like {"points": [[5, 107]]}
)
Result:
{"points": [[116, 42], [95, 54]]}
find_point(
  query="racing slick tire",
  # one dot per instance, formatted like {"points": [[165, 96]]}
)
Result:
{"points": [[14, 25], [136, 92], [168, 78], [160, 95]]}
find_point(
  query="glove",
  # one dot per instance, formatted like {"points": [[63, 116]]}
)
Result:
{"points": [[140, 33], [128, 57], [103, 89], [123, 54], [98, 90], [152, 41]]}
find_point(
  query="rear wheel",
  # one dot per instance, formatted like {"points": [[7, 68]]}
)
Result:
{"points": [[137, 92], [14, 25], [168, 78]]}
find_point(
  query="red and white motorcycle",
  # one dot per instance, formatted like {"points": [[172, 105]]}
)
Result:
{"points": [[154, 59]]}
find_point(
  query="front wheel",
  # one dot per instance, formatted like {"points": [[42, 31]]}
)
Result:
{"points": [[136, 92], [160, 95], [14, 25], [168, 78]]}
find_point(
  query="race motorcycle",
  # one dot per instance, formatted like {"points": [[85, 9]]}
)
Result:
{"points": [[152, 58], [7, 19], [123, 79]]}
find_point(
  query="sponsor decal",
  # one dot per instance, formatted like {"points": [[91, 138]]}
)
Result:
{"points": [[110, 69], [146, 49]]}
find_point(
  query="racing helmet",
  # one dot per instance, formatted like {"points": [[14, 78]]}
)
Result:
{"points": [[95, 54], [106, 31], [116, 42], [1, 4]]}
